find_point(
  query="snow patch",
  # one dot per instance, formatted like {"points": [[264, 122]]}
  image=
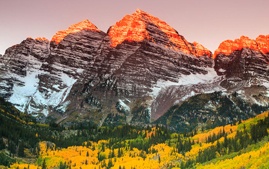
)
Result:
{"points": [[222, 70], [55, 97], [63, 107], [80, 70], [192, 93], [27, 86], [186, 80], [124, 106], [27, 89]]}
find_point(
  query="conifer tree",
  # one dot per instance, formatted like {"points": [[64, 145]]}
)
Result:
{"points": [[44, 165], [21, 150], [2, 144]]}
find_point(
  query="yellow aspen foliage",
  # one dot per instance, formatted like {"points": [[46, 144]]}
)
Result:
{"points": [[253, 159], [202, 137], [196, 148], [22, 166]]}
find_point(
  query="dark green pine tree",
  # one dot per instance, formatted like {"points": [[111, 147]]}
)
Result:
{"points": [[63, 165], [21, 150], [119, 152], [2, 144], [11, 148], [110, 164]]}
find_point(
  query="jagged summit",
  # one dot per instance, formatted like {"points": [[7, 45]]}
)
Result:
{"points": [[263, 43], [129, 28], [141, 26], [83, 25], [200, 50], [41, 39], [132, 74], [260, 44]]}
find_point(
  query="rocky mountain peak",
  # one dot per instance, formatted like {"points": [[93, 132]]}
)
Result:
{"points": [[263, 43], [132, 74], [242, 60], [260, 44], [41, 39], [200, 50], [141, 26], [83, 25], [129, 28]]}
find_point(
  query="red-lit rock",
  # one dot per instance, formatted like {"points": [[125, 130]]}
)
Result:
{"points": [[243, 59], [263, 43], [141, 26], [260, 44], [83, 25], [200, 50]]}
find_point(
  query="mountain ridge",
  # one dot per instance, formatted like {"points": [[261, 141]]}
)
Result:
{"points": [[261, 44], [133, 73]]}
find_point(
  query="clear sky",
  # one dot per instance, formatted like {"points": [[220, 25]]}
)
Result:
{"points": [[208, 22]]}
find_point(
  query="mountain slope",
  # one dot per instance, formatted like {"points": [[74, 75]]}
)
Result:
{"points": [[83, 69], [132, 74], [242, 145], [242, 83], [143, 50], [208, 111]]}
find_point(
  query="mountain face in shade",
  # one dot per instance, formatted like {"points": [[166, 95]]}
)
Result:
{"points": [[37, 75], [134, 73]]}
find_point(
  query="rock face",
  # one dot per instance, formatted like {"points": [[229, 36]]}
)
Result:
{"points": [[83, 69], [37, 75], [72, 53], [244, 62], [242, 57], [134, 73], [139, 55], [242, 66], [20, 68]]}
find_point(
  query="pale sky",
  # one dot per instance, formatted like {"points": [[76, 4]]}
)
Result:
{"points": [[208, 22]]}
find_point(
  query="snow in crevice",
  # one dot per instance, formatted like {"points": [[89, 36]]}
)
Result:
{"points": [[186, 80], [55, 97], [22, 94], [222, 70], [192, 93], [124, 106], [63, 106], [27, 97]]}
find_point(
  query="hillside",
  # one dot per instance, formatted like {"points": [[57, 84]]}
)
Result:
{"points": [[244, 144]]}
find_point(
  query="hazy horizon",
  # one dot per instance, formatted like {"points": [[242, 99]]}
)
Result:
{"points": [[208, 22]]}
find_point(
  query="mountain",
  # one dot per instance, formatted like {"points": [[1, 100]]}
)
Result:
{"points": [[242, 68], [244, 64], [37, 75], [135, 73], [130, 66], [243, 58]]}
